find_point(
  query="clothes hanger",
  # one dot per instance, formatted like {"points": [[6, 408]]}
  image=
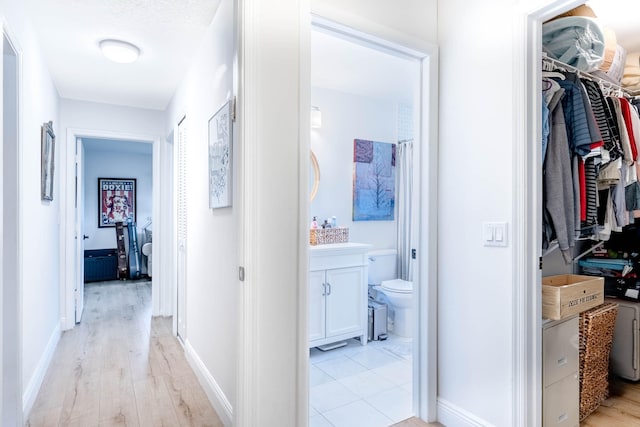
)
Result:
{"points": [[553, 74]]}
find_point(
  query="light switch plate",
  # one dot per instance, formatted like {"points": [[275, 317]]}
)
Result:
{"points": [[494, 234]]}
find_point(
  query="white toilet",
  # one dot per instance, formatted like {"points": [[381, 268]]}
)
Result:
{"points": [[397, 292]]}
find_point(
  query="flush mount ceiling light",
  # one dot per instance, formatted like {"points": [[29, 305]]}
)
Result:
{"points": [[119, 51]]}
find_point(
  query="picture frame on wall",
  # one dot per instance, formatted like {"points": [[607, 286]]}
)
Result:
{"points": [[47, 156], [220, 157], [116, 201]]}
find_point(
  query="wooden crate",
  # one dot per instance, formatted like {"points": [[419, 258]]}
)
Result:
{"points": [[569, 294]]}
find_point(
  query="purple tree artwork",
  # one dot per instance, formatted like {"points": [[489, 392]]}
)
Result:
{"points": [[374, 170]]}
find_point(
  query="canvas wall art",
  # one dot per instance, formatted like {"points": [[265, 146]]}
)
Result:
{"points": [[374, 166]]}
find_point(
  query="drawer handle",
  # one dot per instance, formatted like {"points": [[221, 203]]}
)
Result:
{"points": [[563, 417], [562, 361]]}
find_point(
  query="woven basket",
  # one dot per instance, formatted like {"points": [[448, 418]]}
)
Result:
{"points": [[596, 337], [324, 236]]}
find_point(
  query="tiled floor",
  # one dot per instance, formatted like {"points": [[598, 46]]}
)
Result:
{"points": [[361, 385]]}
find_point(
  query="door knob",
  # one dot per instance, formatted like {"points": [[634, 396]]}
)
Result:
{"points": [[85, 237]]}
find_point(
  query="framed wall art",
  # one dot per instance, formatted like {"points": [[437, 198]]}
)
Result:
{"points": [[374, 166], [116, 200], [48, 145], [220, 157]]}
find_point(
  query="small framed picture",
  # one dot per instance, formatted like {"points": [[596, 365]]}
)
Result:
{"points": [[48, 145], [116, 201], [220, 157]]}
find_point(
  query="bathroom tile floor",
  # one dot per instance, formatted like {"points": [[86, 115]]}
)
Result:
{"points": [[361, 385]]}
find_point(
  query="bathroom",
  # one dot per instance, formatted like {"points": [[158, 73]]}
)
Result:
{"points": [[361, 91]]}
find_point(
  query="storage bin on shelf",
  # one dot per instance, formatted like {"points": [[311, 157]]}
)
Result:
{"points": [[568, 294], [323, 236]]}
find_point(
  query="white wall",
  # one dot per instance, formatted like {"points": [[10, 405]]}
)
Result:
{"points": [[105, 164], [346, 117], [212, 234], [40, 220], [475, 314]]}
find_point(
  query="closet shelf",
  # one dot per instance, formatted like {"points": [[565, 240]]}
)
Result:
{"points": [[554, 245]]}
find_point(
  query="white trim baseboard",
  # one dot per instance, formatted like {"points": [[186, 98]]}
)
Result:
{"points": [[31, 391], [215, 394], [452, 415]]}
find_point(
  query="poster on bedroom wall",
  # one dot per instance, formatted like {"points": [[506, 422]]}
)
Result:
{"points": [[116, 201], [374, 170]]}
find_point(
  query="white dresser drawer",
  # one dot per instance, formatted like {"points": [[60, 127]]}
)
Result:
{"points": [[560, 352], [560, 403]]}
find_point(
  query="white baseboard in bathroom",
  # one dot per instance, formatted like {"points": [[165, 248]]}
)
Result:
{"points": [[31, 391], [213, 391], [453, 416]]}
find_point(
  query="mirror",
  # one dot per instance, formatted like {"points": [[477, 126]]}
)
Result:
{"points": [[315, 179]]}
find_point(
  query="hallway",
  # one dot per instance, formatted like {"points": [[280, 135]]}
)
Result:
{"points": [[119, 367]]}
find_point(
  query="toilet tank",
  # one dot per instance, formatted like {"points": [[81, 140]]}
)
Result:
{"points": [[382, 265]]}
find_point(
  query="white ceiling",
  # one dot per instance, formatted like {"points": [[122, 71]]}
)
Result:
{"points": [[166, 31], [623, 16]]}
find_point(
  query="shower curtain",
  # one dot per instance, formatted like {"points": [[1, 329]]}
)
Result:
{"points": [[405, 211]]}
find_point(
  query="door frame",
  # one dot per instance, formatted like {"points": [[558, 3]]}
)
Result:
{"points": [[425, 323], [14, 348], [161, 303], [527, 220]]}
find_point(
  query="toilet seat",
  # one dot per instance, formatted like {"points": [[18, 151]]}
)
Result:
{"points": [[398, 285]]}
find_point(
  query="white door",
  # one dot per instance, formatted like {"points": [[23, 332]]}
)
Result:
{"points": [[316, 305], [79, 231], [345, 299], [181, 229]]}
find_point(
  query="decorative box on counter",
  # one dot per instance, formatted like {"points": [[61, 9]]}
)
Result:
{"points": [[569, 294], [323, 236]]}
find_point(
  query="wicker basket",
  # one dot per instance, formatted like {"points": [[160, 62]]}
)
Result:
{"points": [[596, 337], [324, 236]]}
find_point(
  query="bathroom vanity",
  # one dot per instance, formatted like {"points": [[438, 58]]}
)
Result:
{"points": [[337, 293]]}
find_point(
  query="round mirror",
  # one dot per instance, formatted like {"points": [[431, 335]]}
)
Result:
{"points": [[315, 179]]}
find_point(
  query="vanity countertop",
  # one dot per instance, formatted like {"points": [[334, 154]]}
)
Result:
{"points": [[349, 247]]}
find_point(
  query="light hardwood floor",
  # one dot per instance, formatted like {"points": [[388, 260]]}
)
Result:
{"points": [[119, 367], [621, 409]]}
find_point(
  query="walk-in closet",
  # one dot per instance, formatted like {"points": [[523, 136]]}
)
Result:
{"points": [[590, 175]]}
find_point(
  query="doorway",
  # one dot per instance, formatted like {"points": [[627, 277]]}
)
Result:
{"points": [[527, 268], [11, 392], [365, 88], [108, 164], [102, 148]]}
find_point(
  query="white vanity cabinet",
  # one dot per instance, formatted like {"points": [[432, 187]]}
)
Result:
{"points": [[337, 293]]}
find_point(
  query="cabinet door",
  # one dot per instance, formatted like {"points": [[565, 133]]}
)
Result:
{"points": [[346, 301], [316, 305]]}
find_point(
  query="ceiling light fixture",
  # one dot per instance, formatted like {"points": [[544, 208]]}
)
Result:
{"points": [[119, 51]]}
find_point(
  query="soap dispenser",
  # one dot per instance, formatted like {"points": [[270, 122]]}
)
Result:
{"points": [[314, 223]]}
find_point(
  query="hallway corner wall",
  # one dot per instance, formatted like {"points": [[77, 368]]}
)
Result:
{"points": [[40, 220], [212, 234]]}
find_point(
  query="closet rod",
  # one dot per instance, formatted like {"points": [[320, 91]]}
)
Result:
{"points": [[566, 67]]}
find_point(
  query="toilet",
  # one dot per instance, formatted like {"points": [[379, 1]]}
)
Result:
{"points": [[396, 292]]}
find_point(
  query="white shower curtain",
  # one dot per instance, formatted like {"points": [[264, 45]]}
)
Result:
{"points": [[404, 159]]}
